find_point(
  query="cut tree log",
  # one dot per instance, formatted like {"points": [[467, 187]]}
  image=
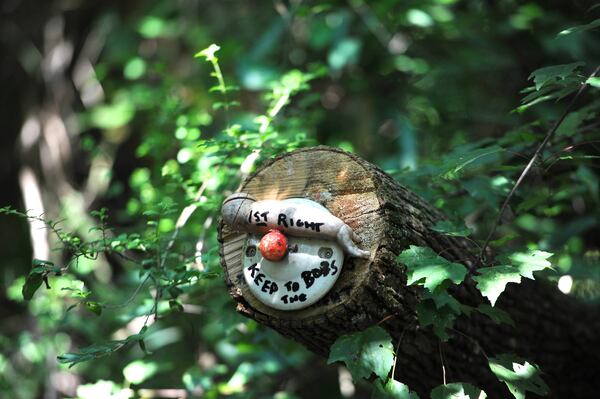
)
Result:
{"points": [[553, 330]]}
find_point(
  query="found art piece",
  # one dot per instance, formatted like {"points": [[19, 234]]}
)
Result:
{"points": [[294, 251]]}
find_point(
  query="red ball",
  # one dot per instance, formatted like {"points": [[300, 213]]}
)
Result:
{"points": [[273, 245]]}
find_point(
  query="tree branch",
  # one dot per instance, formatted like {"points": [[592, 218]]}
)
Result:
{"points": [[535, 156]]}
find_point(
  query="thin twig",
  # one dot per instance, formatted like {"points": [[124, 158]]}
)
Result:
{"points": [[553, 158], [535, 156], [473, 340], [442, 361], [185, 214], [132, 297], [396, 354]]}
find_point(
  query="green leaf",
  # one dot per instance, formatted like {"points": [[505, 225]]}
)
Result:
{"points": [[492, 280], [463, 156], [392, 390], [365, 352], [519, 375], [572, 122], [498, 315], [581, 28], [457, 390], [175, 305], [36, 277], [209, 53], [529, 262], [553, 74], [503, 240], [426, 268], [441, 299], [439, 318], [594, 80], [32, 283], [94, 307], [100, 350], [451, 229]]}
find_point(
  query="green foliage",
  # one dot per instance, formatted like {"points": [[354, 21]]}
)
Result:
{"points": [[99, 350], [553, 74], [392, 389], [436, 274], [37, 275], [430, 270], [450, 228], [492, 281], [366, 352], [161, 138], [457, 390], [498, 315], [581, 28], [552, 83], [519, 375]]}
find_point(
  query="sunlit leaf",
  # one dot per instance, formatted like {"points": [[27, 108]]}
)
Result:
{"points": [[365, 352], [594, 80], [519, 375], [529, 262], [457, 390], [392, 389], [492, 280], [209, 53], [426, 268]]}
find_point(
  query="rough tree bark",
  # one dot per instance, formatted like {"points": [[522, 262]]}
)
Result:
{"points": [[552, 330]]}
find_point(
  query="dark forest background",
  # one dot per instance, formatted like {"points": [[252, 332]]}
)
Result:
{"points": [[110, 129]]}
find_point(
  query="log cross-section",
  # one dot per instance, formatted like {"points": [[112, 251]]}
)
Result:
{"points": [[553, 330]]}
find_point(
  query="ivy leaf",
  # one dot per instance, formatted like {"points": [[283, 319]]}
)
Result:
{"points": [[519, 375], [392, 390], [553, 74], [529, 262], [492, 280], [426, 268], [451, 229], [457, 390], [365, 352]]}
